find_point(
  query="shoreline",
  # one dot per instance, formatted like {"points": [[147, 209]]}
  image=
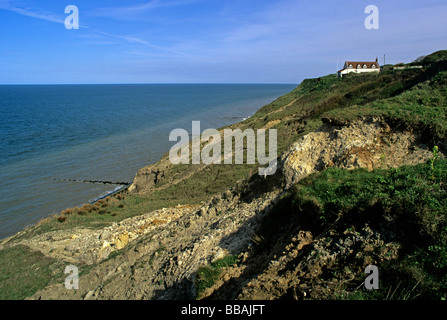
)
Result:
{"points": [[118, 189]]}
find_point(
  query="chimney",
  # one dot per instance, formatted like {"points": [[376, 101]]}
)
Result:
{"points": [[377, 60]]}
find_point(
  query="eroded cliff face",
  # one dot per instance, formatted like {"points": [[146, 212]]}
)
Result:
{"points": [[366, 143], [159, 253], [299, 261], [148, 178]]}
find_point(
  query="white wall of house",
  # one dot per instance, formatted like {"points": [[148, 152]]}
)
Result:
{"points": [[357, 70]]}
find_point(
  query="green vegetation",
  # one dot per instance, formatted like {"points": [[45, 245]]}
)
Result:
{"points": [[409, 203], [23, 272], [406, 189], [421, 107], [208, 275], [434, 57]]}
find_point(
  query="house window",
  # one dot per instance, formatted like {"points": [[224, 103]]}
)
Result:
{"points": [[358, 66], [373, 66], [364, 66], [350, 66]]}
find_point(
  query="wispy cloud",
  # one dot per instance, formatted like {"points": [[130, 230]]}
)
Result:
{"points": [[120, 12], [30, 12], [128, 38], [136, 11]]}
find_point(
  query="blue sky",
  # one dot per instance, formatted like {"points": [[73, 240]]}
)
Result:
{"points": [[208, 41]]}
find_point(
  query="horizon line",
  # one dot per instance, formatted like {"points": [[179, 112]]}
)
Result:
{"points": [[141, 83]]}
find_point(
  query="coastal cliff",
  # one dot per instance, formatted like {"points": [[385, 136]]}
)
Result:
{"points": [[360, 180]]}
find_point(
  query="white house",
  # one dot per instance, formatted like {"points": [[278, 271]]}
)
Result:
{"points": [[358, 67]]}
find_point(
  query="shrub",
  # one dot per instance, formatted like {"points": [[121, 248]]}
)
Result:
{"points": [[88, 208], [208, 275], [81, 212], [67, 212]]}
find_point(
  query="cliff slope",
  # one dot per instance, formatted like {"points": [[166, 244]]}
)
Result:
{"points": [[361, 180]]}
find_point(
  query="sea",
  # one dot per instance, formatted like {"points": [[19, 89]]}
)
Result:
{"points": [[55, 137]]}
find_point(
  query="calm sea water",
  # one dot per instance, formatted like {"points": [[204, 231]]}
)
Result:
{"points": [[49, 134]]}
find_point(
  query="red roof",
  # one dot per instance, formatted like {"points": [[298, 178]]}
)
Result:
{"points": [[360, 64]]}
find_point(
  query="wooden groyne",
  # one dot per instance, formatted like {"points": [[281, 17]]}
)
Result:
{"points": [[92, 181]]}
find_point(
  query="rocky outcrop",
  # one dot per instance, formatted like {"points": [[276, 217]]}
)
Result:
{"points": [[366, 143], [157, 254], [299, 269], [148, 178], [86, 246]]}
